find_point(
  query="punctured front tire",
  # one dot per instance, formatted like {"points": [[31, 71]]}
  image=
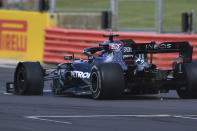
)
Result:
{"points": [[29, 79]]}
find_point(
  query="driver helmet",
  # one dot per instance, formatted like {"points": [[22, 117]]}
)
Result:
{"points": [[111, 46], [115, 45]]}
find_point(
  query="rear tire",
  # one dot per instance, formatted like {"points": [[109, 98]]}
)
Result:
{"points": [[28, 79], [189, 90], [107, 81]]}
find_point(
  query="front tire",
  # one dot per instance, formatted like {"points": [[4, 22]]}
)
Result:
{"points": [[189, 90], [29, 79], [107, 81]]}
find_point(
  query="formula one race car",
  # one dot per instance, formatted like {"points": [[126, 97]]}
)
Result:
{"points": [[121, 67]]}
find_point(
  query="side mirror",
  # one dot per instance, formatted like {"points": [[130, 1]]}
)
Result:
{"points": [[68, 57]]}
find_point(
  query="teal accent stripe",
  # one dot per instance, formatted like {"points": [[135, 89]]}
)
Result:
{"points": [[86, 86], [60, 80]]}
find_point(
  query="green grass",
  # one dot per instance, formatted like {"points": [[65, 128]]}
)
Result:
{"points": [[82, 3], [136, 15], [173, 10], [139, 14]]}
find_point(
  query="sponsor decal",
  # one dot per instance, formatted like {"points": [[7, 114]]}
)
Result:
{"points": [[127, 56], [139, 61], [13, 35], [161, 46], [127, 49], [80, 74]]}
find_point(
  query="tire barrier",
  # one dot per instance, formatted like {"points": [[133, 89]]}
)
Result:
{"points": [[61, 42]]}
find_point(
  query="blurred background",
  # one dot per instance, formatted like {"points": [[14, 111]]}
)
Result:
{"points": [[52, 29], [160, 16]]}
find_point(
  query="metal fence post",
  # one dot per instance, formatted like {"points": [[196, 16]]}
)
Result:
{"points": [[159, 16], [5, 4], [192, 21], [114, 13], [52, 6], [36, 5]]}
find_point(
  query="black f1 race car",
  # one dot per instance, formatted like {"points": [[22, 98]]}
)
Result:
{"points": [[114, 68]]}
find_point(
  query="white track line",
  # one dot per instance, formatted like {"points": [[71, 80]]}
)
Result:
{"points": [[96, 116], [44, 118], [49, 120], [185, 117], [8, 66]]}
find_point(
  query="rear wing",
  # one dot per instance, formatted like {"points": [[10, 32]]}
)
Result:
{"points": [[184, 48]]}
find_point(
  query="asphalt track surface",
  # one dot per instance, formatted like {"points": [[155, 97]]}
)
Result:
{"points": [[164, 112]]}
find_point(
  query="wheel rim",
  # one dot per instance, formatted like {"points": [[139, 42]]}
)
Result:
{"points": [[20, 80], [95, 83]]}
